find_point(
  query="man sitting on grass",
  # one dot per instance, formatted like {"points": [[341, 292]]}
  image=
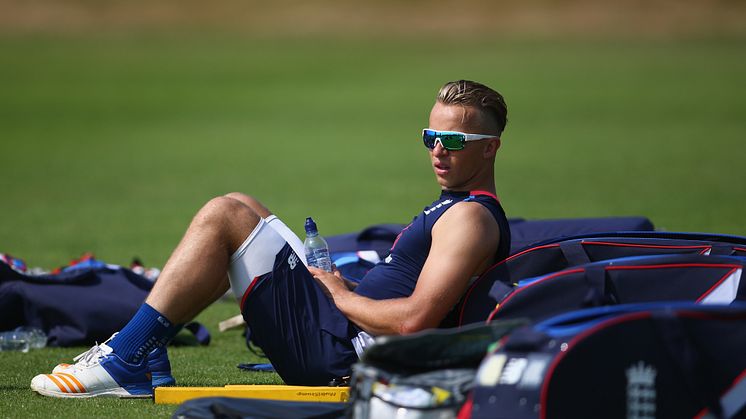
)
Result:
{"points": [[312, 324]]}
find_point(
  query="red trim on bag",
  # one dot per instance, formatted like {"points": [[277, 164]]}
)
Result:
{"points": [[610, 268], [554, 245], [717, 284], [735, 382], [546, 246], [484, 274], [675, 265], [649, 246], [611, 322], [573, 342], [538, 281]]}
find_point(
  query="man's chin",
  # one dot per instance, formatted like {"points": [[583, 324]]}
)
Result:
{"points": [[443, 182], [450, 184]]}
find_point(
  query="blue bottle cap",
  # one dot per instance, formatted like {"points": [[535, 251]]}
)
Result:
{"points": [[311, 226]]}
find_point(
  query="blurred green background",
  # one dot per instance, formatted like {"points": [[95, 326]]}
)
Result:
{"points": [[118, 120]]}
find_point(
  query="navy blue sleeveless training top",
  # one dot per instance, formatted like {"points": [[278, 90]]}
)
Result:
{"points": [[397, 276]]}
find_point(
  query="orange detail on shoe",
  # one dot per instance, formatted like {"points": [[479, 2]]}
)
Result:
{"points": [[72, 378], [67, 382], [54, 380]]}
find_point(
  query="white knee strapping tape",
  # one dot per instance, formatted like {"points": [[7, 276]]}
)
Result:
{"points": [[256, 255], [288, 235]]}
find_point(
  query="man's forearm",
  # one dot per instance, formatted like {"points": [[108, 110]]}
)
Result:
{"points": [[394, 316], [379, 317]]}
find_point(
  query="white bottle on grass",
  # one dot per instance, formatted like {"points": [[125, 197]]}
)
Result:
{"points": [[317, 251]]}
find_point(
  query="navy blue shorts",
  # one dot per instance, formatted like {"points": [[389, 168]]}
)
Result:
{"points": [[304, 335]]}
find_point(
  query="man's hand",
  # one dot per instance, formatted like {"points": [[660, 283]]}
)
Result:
{"points": [[332, 283]]}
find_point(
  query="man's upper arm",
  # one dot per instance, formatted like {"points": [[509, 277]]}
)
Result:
{"points": [[464, 241]]}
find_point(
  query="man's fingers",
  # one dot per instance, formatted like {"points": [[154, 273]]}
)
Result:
{"points": [[318, 276], [318, 273], [315, 271]]}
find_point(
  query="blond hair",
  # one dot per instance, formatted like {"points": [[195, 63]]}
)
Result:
{"points": [[490, 103]]}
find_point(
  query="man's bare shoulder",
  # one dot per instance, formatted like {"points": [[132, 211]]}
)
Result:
{"points": [[469, 218], [469, 211]]}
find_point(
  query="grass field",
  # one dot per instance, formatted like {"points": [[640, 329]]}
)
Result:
{"points": [[215, 365], [110, 144]]}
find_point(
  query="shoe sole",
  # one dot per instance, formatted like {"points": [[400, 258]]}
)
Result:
{"points": [[113, 393], [159, 380]]}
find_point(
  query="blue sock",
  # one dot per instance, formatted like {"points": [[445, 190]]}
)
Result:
{"points": [[146, 330]]}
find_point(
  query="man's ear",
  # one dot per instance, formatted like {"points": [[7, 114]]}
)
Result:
{"points": [[491, 149]]}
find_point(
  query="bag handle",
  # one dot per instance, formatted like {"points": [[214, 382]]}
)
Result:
{"points": [[574, 252], [601, 291]]}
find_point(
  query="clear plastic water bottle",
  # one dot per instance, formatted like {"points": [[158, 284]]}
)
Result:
{"points": [[22, 339], [317, 251], [14, 341], [37, 337]]}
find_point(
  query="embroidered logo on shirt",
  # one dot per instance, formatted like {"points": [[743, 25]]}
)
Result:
{"points": [[446, 202]]}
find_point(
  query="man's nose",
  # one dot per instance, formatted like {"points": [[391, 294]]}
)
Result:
{"points": [[438, 150]]}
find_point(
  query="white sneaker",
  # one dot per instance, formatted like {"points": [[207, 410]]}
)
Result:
{"points": [[64, 367], [99, 372], [158, 365]]}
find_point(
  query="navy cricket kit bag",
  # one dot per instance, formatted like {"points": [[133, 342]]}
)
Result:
{"points": [[635, 361], [526, 233], [423, 375], [559, 254], [75, 307], [244, 408], [695, 278]]}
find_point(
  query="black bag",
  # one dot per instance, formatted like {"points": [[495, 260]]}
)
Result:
{"points": [[525, 233], [237, 408], [78, 306], [695, 278], [633, 361], [424, 375], [53, 302], [559, 254]]}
